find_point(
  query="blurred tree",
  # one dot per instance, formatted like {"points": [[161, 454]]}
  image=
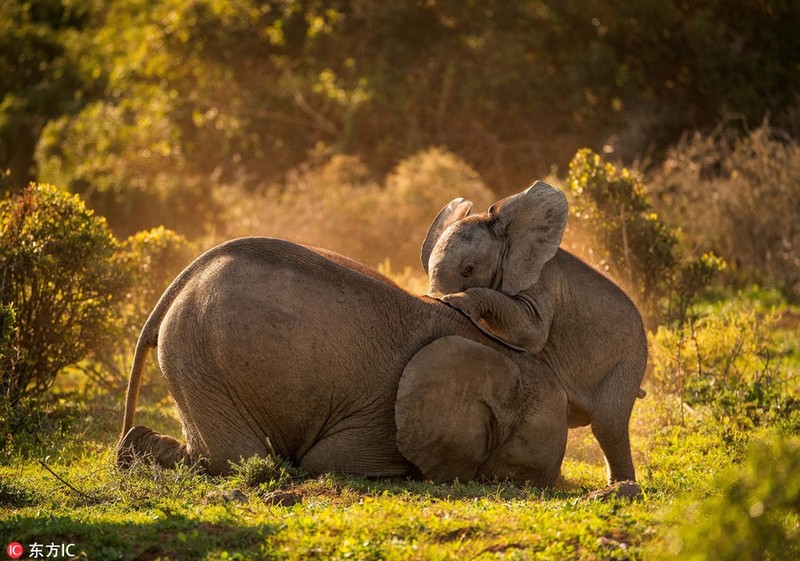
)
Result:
{"points": [[669, 66], [193, 95], [39, 79]]}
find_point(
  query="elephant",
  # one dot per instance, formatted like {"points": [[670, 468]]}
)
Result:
{"points": [[505, 268], [267, 345]]}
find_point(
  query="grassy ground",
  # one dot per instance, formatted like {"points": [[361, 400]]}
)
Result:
{"points": [[58, 485]]}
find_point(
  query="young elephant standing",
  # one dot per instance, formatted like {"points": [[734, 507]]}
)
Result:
{"points": [[342, 371], [505, 268]]}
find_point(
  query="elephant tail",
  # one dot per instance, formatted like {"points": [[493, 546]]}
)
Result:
{"points": [[143, 346], [148, 337]]}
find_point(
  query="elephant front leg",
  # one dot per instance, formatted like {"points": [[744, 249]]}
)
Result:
{"points": [[523, 320]]}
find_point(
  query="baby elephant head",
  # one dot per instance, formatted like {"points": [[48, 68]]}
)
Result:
{"points": [[504, 249]]}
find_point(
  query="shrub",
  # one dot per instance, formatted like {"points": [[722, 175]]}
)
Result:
{"points": [[417, 189], [737, 195], [336, 205], [729, 364], [150, 259], [636, 247], [612, 204], [58, 273], [754, 515], [154, 257], [7, 321]]}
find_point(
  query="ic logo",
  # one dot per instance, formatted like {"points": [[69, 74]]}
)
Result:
{"points": [[15, 550]]}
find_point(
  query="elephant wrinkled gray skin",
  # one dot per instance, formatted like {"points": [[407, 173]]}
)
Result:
{"points": [[342, 371], [505, 268]]}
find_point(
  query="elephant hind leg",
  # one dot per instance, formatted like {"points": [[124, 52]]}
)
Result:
{"points": [[615, 442], [610, 423], [144, 442]]}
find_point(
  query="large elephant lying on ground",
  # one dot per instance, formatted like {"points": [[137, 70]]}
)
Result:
{"points": [[505, 267], [342, 371]]}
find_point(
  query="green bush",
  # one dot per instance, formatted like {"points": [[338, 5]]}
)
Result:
{"points": [[755, 512], [56, 259], [636, 247]]}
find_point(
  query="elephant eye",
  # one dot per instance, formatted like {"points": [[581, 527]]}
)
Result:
{"points": [[467, 270]]}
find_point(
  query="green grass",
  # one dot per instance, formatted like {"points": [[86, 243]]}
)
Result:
{"points": [[151, 513], [339, 517]]}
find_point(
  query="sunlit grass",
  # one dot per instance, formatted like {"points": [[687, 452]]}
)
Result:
{"points": [[180, 514]]}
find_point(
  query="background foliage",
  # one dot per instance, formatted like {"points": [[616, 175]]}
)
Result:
{"points": [[70, 291], [59, 279], [146, 108], [336, 204], [738, 195]]}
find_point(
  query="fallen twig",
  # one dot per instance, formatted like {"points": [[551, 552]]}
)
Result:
{"points": [[68, 484]]}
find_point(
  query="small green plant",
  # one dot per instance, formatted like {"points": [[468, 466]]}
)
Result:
{"points": [[146, 482], [265, 473], [57, 271], [755, 511]]}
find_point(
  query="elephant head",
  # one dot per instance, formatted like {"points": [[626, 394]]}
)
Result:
{"points": [[464, 410], [504, 249]]}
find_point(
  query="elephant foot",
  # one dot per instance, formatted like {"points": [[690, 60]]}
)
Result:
{"points": [[143, 442], [620, 490], [127, 447]]}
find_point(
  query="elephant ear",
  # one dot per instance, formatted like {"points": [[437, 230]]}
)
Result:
{"points": [[455, 210], [533, 222], [455, 405]]}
